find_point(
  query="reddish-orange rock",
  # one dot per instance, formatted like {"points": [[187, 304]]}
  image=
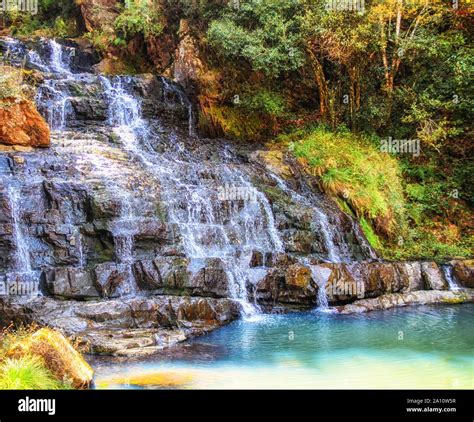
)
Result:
{"points": [[21, 124]]}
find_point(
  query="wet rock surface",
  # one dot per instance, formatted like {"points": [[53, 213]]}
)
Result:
{"points": [[140, 234], [121, 326], [463, 270], [422, 297]]}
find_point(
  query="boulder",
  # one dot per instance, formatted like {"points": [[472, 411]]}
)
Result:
{"points": [[162, 274], [147, 275], [433, 277], [188, 67], [126, 326], [345, 282], [22, 125], [463, 270], [288, 285], [99, 14], [273, 160], [412, 272], [210, 280], [298, 277], [298, 241]]}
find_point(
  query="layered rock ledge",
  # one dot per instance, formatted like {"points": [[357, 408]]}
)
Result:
{"points": [[128, 326], [422, 297]]}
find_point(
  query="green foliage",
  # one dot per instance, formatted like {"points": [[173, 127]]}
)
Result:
{"points": [[422, 244], [370, 234], [353, 168], [61, 28], [264, 33], [437, 98], [235, 122], [138, 19], [265, 102], [55, 18]]}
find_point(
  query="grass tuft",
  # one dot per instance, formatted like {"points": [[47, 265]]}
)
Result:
{"points": [[27, 373]]}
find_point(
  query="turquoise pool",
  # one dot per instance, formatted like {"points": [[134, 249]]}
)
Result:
{"points": [[415, 347]]}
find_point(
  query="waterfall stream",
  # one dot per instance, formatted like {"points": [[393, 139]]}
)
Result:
{"points": [[23, 263], [194, 205], [220, 216], [448, 275]]}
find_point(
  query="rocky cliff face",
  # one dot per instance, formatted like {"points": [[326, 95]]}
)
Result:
{"points": [[137, 233]]}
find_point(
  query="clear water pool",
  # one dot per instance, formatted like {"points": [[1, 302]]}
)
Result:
{"points": [[416, 347]]}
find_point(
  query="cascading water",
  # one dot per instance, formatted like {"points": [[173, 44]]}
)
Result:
{"points": [[22, 258], [320, 221], [22, 279], [336, 251], [53, 97], [124, 115], [194, 205], [219, 215], [56, 102], [60, 57], [451, 280]]}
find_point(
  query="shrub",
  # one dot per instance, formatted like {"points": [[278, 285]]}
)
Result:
{"points": [[264, 33], [138, 19], [265, 102], [353, 169]]}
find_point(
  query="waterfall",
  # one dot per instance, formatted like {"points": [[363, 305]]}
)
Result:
{"points": [[227, 228], [53, 96], [219, 216], [320, 220], [321, 299], [80, 249], [449, 276], [60, 57], [320, 276], [56, 102], [184, 100], [22, 257], [335, 253]]}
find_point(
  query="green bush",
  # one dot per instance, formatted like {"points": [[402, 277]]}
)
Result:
{"points": [[353, 168], [55, 18], [264, 102], [265, 33], [138, 19]]}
